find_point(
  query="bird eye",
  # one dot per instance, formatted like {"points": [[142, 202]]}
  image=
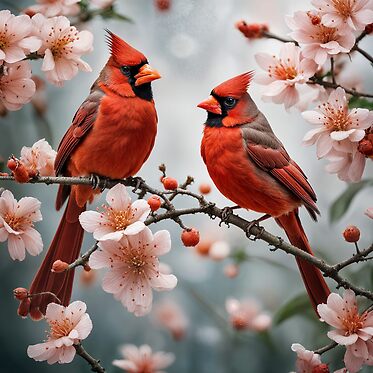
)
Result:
{"points": [[229, 102], [125, 70]]}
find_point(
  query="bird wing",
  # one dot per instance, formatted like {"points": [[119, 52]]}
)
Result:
{"points": [[269, 154], [82, 123]]}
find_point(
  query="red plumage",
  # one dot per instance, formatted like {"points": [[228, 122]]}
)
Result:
{"points": [[112, 135], [251, 167]]}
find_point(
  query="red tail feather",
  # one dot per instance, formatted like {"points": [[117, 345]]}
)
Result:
{"points": [[65, 246], [316, 286]]}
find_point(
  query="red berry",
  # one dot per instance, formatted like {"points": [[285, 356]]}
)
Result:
{"points": [[169, 183], [20, 172], [163, 5], [365, 147], [203, 248], [190, 237], [351, 233], [205, 188], [59, 266], [321, 368], [20, 293], [154, 202]]}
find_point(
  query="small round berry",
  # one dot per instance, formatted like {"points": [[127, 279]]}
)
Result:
{"points": [[169, 183], [351, 233], [205, 188], [59, 266], [20, 293], [154, 202], [163, 5], [190, 237], [365, 147]]}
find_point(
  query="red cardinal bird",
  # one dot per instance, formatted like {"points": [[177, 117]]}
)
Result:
{"points": [[112, 135], [251, 167]]}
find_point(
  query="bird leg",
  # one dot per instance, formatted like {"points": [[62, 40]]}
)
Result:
{"points": [[226, 213], [136, 181], [256, 223]]}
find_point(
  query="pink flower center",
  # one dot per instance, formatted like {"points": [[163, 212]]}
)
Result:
{"points": [[16, 222], [282, 71], [59, 47], [60, 328], [144, 366], [4, 37], [344, 7], [322, 33], [336, 119], [119, 219], [353, 322]]}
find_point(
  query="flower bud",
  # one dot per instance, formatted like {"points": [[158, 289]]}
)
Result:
{"points": [[252, 30], [59, 266], [154, 203], [203, 248], [369, 28], [351, 233], [20, 293], [169, 183]]}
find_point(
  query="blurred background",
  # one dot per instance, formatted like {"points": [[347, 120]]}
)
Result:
{"points": [[195, 46]]}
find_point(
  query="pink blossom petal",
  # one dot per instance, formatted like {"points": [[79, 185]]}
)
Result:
{"points": [[31, 43], [29, 206], [368, 212], [313, 135], [134, 228], [41, 351], [140, 209], [329, 315], [14, 54], [341, 135], [99, 259], [162, 242], [118, 198], [324, 145], [92, 220], [16, 247], [114, 236], [48, 61], [3, 232], [313, 117], [336, 336], [163, 282], [84, 327], [125, 365], [352, 362], [356, 135], [357, 167], [54, 312], [67, 355], [33, 241]]}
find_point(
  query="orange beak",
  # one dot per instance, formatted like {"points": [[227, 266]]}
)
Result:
{"points": [[211, 104], [146, 75]]}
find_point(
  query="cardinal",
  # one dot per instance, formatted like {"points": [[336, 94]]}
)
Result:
{"points": [[251, 167], [111, 135]]}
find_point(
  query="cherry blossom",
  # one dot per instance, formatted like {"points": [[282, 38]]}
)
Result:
{"points": [[306, 360], [350, 14], [353, 330], [15, 39], [142, 359], [246, 315], [51, 8], [134, 268], [120, 217], [62, 47], [285, 75], [39, 158], [348, 164], [68, 326], [17, 225], [170, 315], [318, 41], [335, 123], [16, 85]]}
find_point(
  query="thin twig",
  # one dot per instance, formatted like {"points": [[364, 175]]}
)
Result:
{"points": [[332, 70], [83, 259], [363, 53], [361, 256], [326, 348], [94, 363], [270, 35]]}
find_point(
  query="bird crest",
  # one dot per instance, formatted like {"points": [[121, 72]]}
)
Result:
{"points": [[235, 87], [122, 52]]}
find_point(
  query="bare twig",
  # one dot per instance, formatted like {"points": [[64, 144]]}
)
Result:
{"points": [[270, 35], [332, 69], [94, 363], [46, 293], [83, 259], [326, 348], [363, 53]]}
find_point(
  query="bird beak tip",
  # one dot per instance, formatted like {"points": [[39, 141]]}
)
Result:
{"points": [[211, 105], [146, 74]]}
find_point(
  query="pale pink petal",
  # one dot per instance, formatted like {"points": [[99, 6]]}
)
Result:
{"points": [[134, 228], [163, 282], [329, 316], [341, 339], [114, 236], [92, 220], [125, 365], [31, 43], [54, 312], [324, 145], [14, 54], [341, 135], [48, 61], [352, 362], [140, 209], [313, 117], [369, 212], [16, 247], [118, 198], [67, 355], [357, 167], [84, 327], [29, 206], [162, 242], [33, 241]]}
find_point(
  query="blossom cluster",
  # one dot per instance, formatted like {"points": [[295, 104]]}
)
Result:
{"points": [[327, 31], [129, 250], [54, 40]]}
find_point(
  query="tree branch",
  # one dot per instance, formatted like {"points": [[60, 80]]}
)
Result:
{"points": [[83, 259], [270, 35], [95, 364], [208, 208], [326, 348]]}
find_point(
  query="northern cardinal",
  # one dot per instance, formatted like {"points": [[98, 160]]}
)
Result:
{"points": [[251, 167], [112, 135]]}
